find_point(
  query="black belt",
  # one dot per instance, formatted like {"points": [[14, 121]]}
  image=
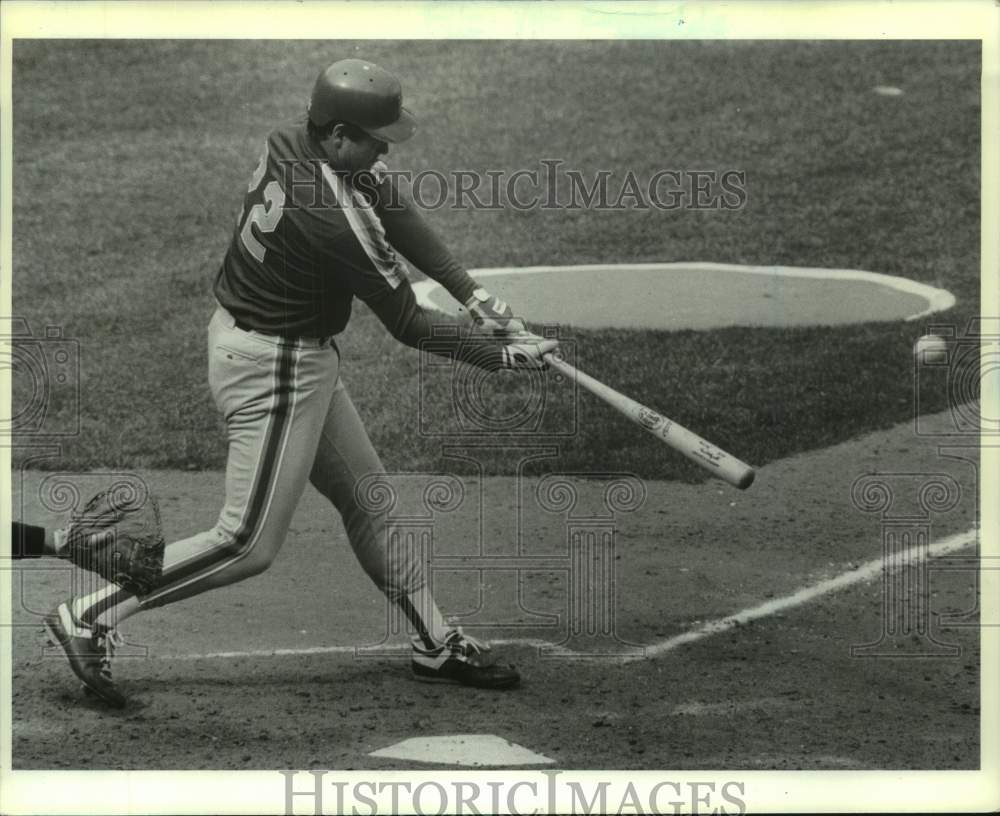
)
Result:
{"points": [[239, 324]]}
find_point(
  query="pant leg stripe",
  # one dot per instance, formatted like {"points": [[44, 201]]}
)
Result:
{"points": [[93, 612], [254, 514]]}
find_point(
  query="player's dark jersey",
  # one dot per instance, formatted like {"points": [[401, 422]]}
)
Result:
{"points": [[308, 241]]}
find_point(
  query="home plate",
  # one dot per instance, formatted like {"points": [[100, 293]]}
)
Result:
{"points": [[462, 749]]}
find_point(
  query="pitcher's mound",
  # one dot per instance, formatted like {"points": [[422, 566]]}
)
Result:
{"points": [[699, 295]]}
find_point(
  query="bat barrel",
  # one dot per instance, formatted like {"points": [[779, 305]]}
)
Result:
{"points": [[698, 450]]}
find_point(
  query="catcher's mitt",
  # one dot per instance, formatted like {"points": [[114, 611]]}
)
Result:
{"points": [[119, 537]]}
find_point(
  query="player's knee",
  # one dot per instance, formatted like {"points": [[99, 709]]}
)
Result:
{"points": [[256, 564], [249, 557], [360, 517]]}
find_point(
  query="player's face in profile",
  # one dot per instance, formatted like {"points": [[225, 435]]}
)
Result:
{"points": [[354, 152]]}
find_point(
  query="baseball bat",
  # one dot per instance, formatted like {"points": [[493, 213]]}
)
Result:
{"points": [[698, 450]]}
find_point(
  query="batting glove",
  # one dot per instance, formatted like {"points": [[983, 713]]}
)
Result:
{"points": [[493, 316], [528, 353]]}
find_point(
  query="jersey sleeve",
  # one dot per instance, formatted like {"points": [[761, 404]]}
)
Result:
{"points": [[408, 232], [370, 269]]}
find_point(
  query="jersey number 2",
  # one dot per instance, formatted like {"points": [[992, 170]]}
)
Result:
{"points": [[265, 215]]}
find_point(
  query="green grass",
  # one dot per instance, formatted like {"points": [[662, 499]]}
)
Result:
{"points": [[127, 180]]}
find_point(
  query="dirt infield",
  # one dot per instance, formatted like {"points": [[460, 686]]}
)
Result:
{"points": [[781, 692]]}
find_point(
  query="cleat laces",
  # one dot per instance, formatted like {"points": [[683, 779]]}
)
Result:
{"points": [[466, 644]]}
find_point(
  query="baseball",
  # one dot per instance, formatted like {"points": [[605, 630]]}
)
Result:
{"points": [[930, 345]]}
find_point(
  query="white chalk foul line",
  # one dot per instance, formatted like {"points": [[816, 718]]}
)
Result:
{"points": [[322, 650], [866, 572]]}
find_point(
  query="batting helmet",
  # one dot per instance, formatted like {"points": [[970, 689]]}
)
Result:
{"points": [[365, 95]]}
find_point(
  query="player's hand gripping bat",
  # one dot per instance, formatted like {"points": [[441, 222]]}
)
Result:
{"points": [[698, 450]]}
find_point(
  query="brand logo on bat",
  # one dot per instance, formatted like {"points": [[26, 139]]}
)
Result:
{"points": [[708, 451], [650, 419]]}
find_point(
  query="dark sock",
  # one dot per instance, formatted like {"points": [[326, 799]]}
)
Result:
{"points": [[423, 632]]}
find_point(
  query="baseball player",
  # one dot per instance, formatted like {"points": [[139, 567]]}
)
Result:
{"points": [[314, 233]]}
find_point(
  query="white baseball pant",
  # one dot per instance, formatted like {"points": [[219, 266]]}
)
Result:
{"points": [[289, 418]]}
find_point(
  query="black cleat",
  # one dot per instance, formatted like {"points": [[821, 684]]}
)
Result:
{"points": [[463, 660], [89, 651]]}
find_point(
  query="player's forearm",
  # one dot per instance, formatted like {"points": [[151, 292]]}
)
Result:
{"points": [[448, 340], [414, 326]]}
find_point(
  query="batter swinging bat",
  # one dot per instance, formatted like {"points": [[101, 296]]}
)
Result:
{"points": [[698, 450]]}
